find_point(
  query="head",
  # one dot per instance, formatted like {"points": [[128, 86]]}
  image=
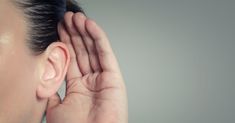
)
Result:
{"points": [[33, 61]]}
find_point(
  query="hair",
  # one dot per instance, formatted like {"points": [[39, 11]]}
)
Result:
{"points": [[43, 17]]}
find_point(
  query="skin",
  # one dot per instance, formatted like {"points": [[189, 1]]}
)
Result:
{"points": [[27, 81], [13, 71], [95, 90]]}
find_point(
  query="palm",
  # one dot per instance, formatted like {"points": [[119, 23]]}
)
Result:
{"points": [[97, 97], [95, 89]]}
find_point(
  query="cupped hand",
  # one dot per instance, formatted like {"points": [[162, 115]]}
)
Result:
{"points": [[95, 89]]}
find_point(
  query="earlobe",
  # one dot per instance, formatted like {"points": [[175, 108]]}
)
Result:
{"points": [[55, 62]]}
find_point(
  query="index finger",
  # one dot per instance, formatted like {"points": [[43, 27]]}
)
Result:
{"points": [[105, 53]]}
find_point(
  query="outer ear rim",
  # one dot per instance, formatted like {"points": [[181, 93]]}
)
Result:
{"points": [[48, 89]]}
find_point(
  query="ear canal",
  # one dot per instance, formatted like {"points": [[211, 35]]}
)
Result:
{"points": [[49, 72]]}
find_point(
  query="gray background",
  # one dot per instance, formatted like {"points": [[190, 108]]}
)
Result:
{"points": [[177, 57]]}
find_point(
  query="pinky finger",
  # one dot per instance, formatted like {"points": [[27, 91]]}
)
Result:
{"points": [[73, 70]]}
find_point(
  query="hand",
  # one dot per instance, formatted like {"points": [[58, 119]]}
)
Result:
{"points": [[95, 90]]}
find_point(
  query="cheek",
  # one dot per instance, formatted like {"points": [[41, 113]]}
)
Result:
{"points": [[17, 88], [15, 77]]}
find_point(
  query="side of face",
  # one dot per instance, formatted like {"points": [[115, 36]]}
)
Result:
{"points": [[17, 67], [26, 80]]}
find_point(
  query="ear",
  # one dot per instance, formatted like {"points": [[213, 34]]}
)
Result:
{"points": [[54, 65]]}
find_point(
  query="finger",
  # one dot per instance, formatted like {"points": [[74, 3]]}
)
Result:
{"points": [[53, 101], [79, 21], [107, 58], [78, 45], [73, 69]]}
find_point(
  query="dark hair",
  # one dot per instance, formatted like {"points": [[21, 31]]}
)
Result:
{"points": [[43, 17]]}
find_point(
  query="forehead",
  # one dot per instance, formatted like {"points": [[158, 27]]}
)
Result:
{"points": [[11, 22], [9, 16]]}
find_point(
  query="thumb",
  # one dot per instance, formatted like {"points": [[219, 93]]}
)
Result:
{"points": [[53, 101]]}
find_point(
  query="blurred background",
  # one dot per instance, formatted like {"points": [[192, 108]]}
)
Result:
{"points": [[177, 57]]}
